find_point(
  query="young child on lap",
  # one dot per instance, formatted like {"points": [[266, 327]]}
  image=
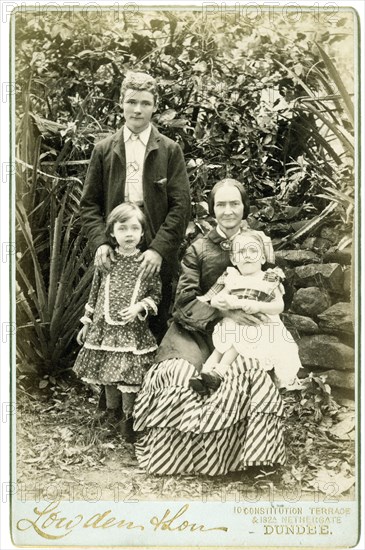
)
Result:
{"points": [[248, 288]]}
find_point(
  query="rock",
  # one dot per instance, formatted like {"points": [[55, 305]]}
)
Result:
{"points": [[310, 301], [347, 281], [299, 324], [343, 257], [290, 258], [317, 244], [347, 338], [328, 276], [337, 317], [323, 339], [325, 351], [345, 380], [345, 398]]}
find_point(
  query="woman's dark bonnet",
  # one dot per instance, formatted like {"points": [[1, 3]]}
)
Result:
{"points": [[229, 182]]}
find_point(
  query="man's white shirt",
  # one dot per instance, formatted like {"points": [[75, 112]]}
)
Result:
{"points": [[135, 151]]}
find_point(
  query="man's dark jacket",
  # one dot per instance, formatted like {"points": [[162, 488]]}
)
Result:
{"points": [[165, 192]]}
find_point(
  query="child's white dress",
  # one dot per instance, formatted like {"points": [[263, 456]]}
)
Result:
{"points": [[115, 352], [269, 342]]}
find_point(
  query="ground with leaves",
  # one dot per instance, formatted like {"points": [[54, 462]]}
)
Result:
{"points": [[63, 454]]}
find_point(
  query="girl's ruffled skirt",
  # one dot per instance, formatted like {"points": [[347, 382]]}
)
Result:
{"points": [[103, 367]]}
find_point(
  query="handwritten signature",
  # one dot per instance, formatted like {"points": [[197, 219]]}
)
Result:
{"points": [[50, 522]]}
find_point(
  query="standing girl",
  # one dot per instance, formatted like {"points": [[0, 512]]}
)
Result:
{"points": [[248, 288], [118, 345]]}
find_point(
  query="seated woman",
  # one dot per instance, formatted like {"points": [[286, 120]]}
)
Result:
{"points": [[240, 424]]}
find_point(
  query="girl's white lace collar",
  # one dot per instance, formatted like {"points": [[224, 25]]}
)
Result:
{"points": [[133, 253]]}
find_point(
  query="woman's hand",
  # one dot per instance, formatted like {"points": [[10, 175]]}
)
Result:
{"points": [[104, 256], [150, 263], [81, 337], [243, 318], [128, 314], [250, 306], [243, 312]]}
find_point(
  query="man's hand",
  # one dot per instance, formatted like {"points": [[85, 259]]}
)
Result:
{"points": [[81, 337], [243, 318], [128, 314], [150, 263], [104, 256]]}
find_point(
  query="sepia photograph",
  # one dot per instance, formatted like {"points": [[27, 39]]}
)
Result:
{"points": [[185, 274]]}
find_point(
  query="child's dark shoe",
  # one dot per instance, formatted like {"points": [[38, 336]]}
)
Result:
{"points": [[211, 380], [197, 384]]}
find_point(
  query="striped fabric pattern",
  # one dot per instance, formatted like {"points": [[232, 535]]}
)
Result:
{"points": [[239, 425]]}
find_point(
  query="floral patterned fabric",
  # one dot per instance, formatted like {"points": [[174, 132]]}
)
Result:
{"points": [[116, 352]]}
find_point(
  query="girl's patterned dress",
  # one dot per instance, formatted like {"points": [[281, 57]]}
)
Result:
{"points": [[116, 352], [270, 342]]}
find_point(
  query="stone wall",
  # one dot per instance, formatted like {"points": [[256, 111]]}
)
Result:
{"points": [[319, 314]]}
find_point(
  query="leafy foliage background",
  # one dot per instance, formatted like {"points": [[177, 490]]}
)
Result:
{"points": [[254, 98]]}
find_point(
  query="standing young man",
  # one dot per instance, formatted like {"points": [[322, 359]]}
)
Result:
{"points": [[139, 164]]}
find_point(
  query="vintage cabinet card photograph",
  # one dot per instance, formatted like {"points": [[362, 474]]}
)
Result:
{"points": [[183, 254]]}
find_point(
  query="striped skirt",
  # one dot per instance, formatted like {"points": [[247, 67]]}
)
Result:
{"points": [[239, 425]]}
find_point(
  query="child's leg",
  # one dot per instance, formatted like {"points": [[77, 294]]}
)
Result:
{"points": [[226, 360], [214, 358], [128, 403], [113, 397], [113, 412], [212, 379], [127, 423]]}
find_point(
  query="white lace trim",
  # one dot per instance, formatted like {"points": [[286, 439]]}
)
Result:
{"points": [[136, 289], [126, 254], [132, 349], [129, 388], [85, 320]]}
